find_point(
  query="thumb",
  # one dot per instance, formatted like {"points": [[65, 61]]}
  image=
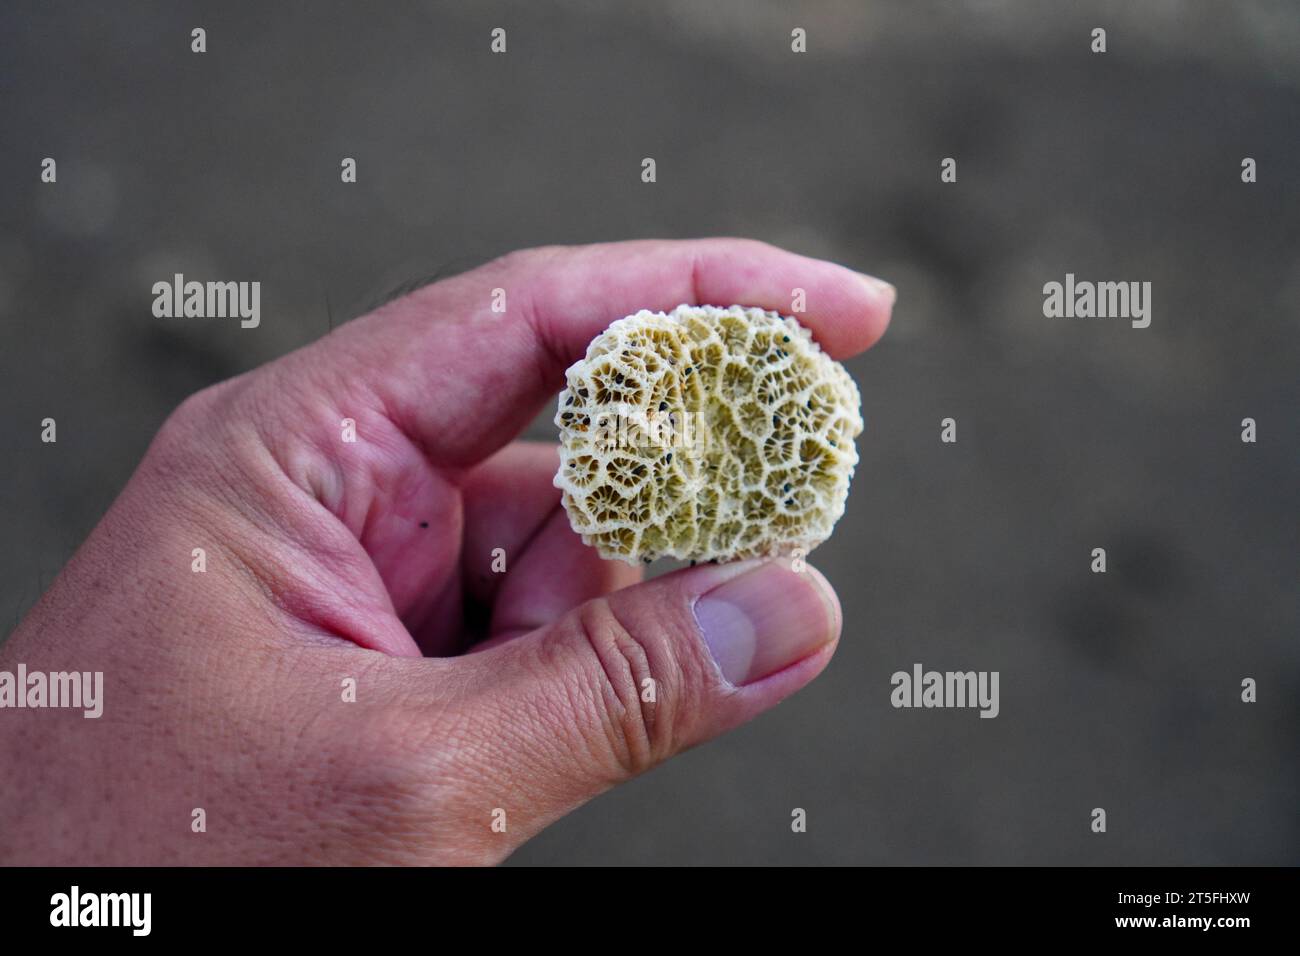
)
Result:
{"points": [[625, 681]]}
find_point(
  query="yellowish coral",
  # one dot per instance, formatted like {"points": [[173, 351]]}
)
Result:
{"points": [[706, 433]]}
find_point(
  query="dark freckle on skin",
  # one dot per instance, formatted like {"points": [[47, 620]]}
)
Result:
{"points": [[424, 524]]}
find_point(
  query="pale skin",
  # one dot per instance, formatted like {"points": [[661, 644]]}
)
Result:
{"points": [[480, 696]]}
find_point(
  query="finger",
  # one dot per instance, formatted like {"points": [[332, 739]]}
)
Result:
{"points": [[630, 679], [552, 575], [503, 502], [519, 556], [461, 379], [575, 293], [506, 502]]}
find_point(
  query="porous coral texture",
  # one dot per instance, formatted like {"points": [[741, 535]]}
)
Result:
{"points": [[706, 433]]}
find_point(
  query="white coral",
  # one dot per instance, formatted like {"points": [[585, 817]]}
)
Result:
{"points": [[706, 433]]}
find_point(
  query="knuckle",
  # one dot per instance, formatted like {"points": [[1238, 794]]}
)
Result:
{"points": [[734, 244], [184, 453], [753, 245], [193, 419], [523, 259], [633, 677], [189, 415]]}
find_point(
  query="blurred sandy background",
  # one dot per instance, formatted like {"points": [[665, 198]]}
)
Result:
{"points": [[1117, 690]]}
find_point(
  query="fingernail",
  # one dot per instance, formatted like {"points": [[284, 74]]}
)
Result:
{"points": [[765, 620], [881, 288]]}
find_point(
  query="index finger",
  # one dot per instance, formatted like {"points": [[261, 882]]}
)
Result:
{"points": [[462, 366], [578, 291]]}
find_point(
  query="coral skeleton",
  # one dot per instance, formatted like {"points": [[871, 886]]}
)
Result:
{"points": [[706, 434]]}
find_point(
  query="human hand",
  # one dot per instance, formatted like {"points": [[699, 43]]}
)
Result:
{"points": [[486, 705]]}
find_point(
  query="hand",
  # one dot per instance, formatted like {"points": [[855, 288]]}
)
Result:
{"points": [[486, 704]]}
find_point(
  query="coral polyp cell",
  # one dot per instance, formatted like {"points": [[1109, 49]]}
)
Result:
{"points": [[706, 434]]}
